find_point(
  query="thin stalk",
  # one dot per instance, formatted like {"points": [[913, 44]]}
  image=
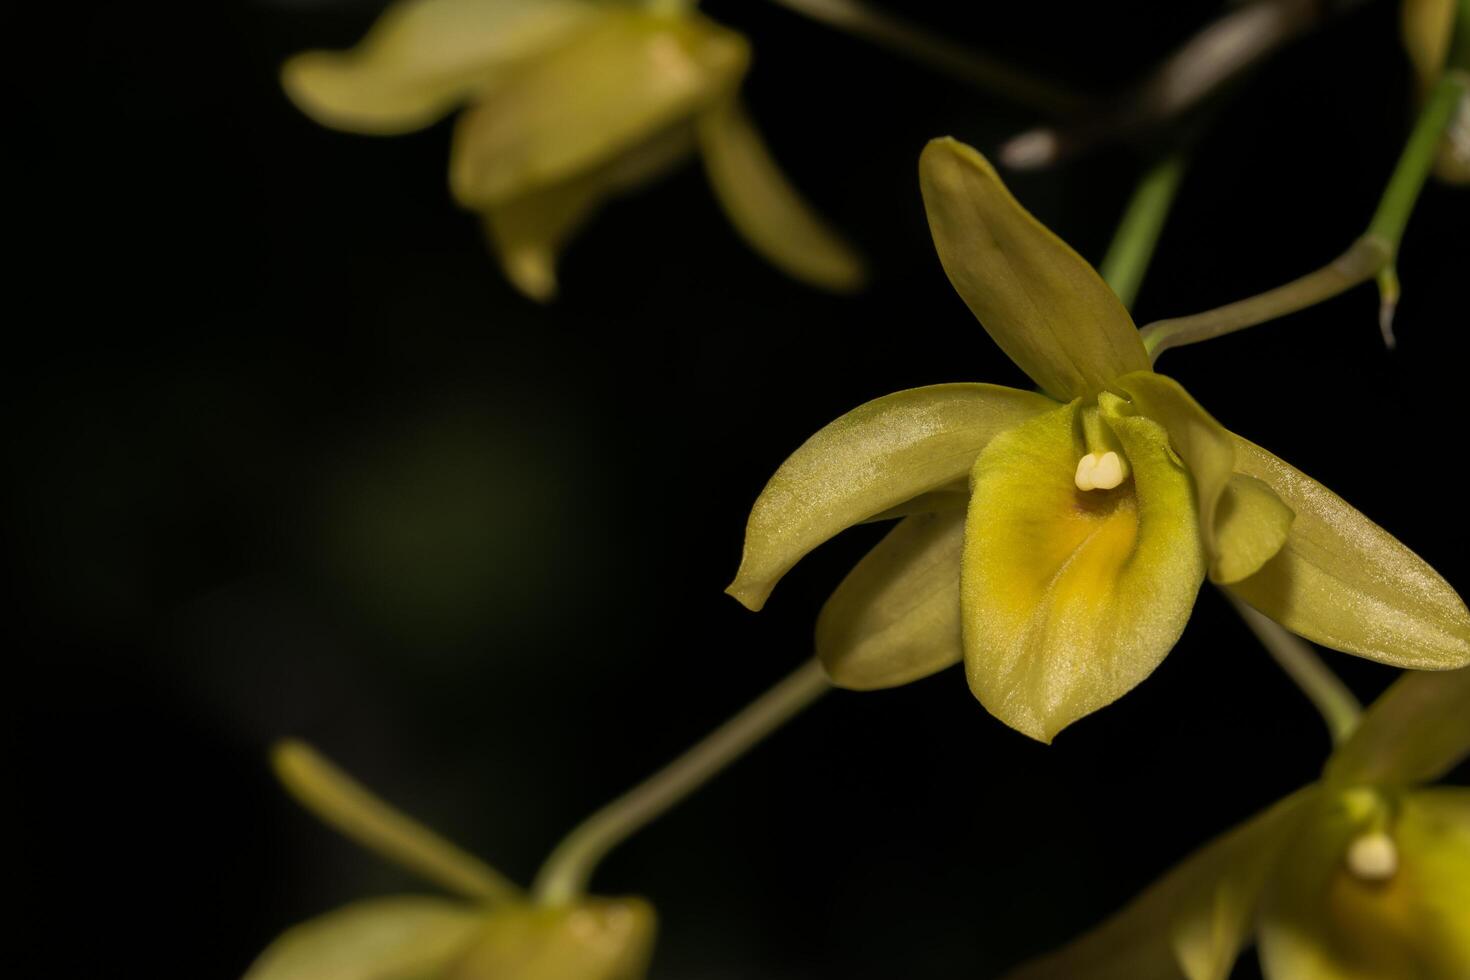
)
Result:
{"points": [[1371, 256], [957, 61], [1329, 695], [567, 871], [1132, 248]]}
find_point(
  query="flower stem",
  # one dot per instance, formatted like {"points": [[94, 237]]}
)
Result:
{"points": [[1371, 256], [566, 872], [940, 53], [1137, 236], [1322, 687]]}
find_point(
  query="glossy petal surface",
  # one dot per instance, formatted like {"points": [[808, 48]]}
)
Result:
{"points": [[1417, 730], [1251, 528], [763, 206], [1069, 597], [896, 616], [423, 57], [1344, 582], [874, 458], [379, 939], [1040, 301]]}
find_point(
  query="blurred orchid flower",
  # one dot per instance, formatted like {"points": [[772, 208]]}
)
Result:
{"points": [[1055, 541], [1429, 28], [569, 103], [1364, 875], [489, 933]]}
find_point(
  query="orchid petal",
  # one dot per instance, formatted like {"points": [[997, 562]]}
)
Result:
{"points": [[763, 206], [1344, 582], [1193, 921], [609, 91], [1427, 27], [1251, 527], [1417, 730], [424, 57], [1040, 301], [595, 939], [896, 617], [875, 457], [379, 939], [1071, 597]]}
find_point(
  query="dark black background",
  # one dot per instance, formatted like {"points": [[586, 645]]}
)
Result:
{"points": [[288, 456]]}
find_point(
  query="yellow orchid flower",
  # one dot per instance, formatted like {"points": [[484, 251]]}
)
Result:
{"points": [[1365, 875], [1055, 541], [490, 933], [569, 103], [1429, 29]]}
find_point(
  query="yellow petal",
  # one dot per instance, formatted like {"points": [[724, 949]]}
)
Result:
{"points": [[1039, 300], [424, 57], [1192, 922], [609, 91], [874, 458], [1251, 526], [596, 939], [1071, 597], [1344, 582], [1322, 920], [1417, 730], [896, 617], [379, 939], [766, 209], [1427, 26]]}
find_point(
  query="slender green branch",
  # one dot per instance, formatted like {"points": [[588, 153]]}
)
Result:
{"points": [[1329, 695], [961, 63], [1371, 256], [1138, 233], [566, 872]]}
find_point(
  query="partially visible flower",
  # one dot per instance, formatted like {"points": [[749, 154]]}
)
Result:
{"points": [[1429, 35], [490, 933], [1055, 541], [1364, 875], [570, 102]]}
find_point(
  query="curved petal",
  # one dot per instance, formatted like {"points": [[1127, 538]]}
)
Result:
{"points": [[379, 939], [767, 211], [611, 89], [1208, 450], [595, 939], [896, 616], [1069, 597], [347, 805], [1417, 730], [1344, 582], [1319, 920], [424, 57], [1040, 301], [1192, 922], [875, 457]]}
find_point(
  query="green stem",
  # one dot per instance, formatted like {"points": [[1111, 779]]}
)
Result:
{"points": [[1137, 236], [940, 53], [1371, 256], [566, 872], [1339, 709]]}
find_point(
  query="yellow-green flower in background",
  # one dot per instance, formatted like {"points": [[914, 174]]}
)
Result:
{"points": [[491, 932], [569, 103], [1429, 28], [1055, 541], [1365, 875]]}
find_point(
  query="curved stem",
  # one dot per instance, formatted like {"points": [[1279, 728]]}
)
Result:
{"points": [[1137, 236], [1371, 256], [566, 872], [940, 53], [1339, 709]]}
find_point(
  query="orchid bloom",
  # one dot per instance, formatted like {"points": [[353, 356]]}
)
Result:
{"points": [[490, 933], [1055, 540], [569, 103], [1364, 875]]}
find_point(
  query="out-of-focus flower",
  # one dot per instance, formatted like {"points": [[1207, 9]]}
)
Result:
{"points": [[1364, 875], [490, 933], [1429, 28], [569, 103], [1055, 541]]}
